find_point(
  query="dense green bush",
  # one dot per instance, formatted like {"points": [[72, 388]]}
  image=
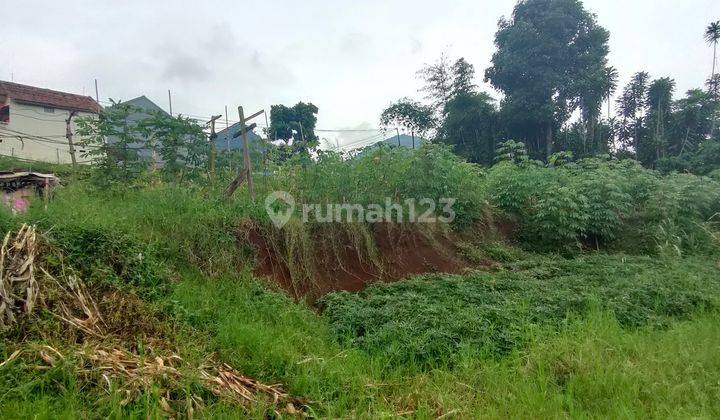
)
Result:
{"points": [[429, 320], [397, 174], [105, 255], [605, 202]]}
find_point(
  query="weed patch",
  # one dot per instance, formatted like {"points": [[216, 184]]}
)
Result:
{"points": [[427, 321]]}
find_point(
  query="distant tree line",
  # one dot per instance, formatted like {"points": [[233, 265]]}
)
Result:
{"points": [[551, 67]]}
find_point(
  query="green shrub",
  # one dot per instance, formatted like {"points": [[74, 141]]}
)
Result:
{"points": [[597, 201], [431, 172], [429, 320]]}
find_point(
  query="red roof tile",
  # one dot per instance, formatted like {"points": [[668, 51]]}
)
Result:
{"points": [[47, 97]]}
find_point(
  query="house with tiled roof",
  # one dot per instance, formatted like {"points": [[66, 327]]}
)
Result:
{"points": [[33, 122]]}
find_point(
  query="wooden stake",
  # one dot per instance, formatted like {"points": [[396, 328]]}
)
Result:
{"points": [[245, 172], [213, 146], [246, 153], [46, 193], [170, 102], [68, 135]]}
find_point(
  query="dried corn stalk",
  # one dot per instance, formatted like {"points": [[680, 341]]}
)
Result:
{"points": [[133, 373], [18, 287], [19, 291], [77, 299], [226, 382]]}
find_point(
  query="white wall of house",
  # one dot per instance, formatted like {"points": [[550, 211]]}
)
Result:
{"points": [[47, 123]]}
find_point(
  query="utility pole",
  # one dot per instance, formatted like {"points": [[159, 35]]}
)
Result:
{"points": [[227, 125], [302, 135], [213, 146], [397, 130], [170, 102], [266, 146], [245, 173], [97, 94], [69, 136]]}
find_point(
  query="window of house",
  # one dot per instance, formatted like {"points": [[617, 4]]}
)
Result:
{"points": [[4, 114], [49, 110]]}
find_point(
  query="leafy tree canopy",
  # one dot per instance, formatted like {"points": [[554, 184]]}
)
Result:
{"points": [[411, 115], [546, 53]]}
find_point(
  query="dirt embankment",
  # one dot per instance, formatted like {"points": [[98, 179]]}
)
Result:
{"points": [[337, 260]]}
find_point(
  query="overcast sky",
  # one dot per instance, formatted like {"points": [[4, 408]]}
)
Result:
{"points": [[349, 58]]}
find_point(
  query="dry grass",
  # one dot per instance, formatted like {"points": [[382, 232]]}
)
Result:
{"points": [[18, 287], [25, 283]]}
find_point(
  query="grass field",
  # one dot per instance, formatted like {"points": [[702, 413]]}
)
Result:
{"points": [[630, 330], [589, 366]]}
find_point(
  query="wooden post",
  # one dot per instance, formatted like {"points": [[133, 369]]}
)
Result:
{"points": [[68, 135], [227, 125], [170, 102], [266, 147], [46, 193], [302, 135], [246, 171], [246, 153], [213, 146]]}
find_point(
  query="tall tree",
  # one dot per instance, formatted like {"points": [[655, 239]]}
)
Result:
{"points": [[712, 36], [438, 81], [411, 115], [631, 112], [471, 126], [593, 89], [295, 123], [463, 78], [545, 52], [692, 120], [611, 76], [659, 114]]}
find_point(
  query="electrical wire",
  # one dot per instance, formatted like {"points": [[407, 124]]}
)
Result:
{"points": [[371, 139], [350, 130]]}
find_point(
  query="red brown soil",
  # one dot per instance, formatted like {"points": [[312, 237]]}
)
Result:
{"points": [[402, 252]]}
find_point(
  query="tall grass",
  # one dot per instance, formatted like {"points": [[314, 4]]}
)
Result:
{"points": [[596, 335]]}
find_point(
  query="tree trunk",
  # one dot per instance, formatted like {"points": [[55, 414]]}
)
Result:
{"points": [[712, 77], [549, 139], [591, 133], [714, 58]]}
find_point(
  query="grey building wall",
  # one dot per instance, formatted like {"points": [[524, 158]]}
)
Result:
{"points": [[145, 108], [225, 141]]}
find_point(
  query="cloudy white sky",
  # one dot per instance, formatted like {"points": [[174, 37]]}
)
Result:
{"points": [[349, 58]]}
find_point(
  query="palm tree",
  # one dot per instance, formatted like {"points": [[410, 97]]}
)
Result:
{"points": [[611, 79], [712, 36]]}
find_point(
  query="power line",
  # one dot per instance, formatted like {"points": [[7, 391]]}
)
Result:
{"points": [[35, 161], [364, 140], [347, 130], [14, 133], [37, 118], [317, 130]]}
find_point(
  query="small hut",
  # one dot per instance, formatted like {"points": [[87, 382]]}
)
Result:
{"points": [[19, 187]]}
